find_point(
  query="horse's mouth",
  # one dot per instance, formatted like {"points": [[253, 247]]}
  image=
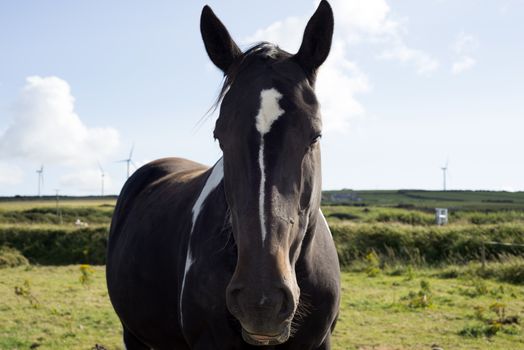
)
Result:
{"points": [[264, 339]]}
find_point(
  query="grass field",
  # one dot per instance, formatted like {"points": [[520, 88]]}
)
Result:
{"points": [[56, 311], [392, 300], [50, 202], [470, 200]]}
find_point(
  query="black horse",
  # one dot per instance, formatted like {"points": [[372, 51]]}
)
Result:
{"points": [[237, 255]]}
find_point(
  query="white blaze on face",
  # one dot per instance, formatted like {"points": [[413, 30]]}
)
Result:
{"points": [[268, 113]]}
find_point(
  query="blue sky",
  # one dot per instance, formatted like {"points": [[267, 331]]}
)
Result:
{"points": [[409, 85]]}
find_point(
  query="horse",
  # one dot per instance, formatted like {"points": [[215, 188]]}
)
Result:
{"points": [[237, 255]]}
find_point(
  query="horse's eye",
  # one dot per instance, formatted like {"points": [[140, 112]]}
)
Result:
{"points": [[315, 139]]}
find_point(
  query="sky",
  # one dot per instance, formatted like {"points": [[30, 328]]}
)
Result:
{"points": [[409, 86]]}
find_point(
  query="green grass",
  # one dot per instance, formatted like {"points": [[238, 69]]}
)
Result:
{"points": [[398, 233], [64, 215], [428, 200], [386, 304], [417, 216], [13, 203], [64, 315], [375, 311]]}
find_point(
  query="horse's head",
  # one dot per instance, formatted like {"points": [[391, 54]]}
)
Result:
{"points": [[268, 128]]}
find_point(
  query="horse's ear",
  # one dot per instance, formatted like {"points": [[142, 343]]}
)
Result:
{"points": [[316, 42], [221, 49]]}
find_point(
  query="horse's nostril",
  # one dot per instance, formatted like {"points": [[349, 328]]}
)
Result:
{"points": [[283, 309], [232, 300], [234, 292]]}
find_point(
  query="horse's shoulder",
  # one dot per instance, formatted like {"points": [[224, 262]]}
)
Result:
{"points": [[178, 170], [157, 182], [175, 164], [163, 172]]}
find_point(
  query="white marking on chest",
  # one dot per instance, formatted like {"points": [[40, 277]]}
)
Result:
{"points": [[213, 180], [268, 113]]}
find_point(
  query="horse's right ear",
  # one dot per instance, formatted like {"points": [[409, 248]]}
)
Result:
{"points": [[221, 49]]}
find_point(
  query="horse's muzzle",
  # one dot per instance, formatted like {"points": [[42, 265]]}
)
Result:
{"points": [[258, 339], [264, 313]]}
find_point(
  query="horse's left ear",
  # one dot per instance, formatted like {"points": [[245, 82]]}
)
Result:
{"points": [[220, 47], [316, 42]]}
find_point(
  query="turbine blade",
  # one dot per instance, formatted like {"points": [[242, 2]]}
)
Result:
{"points": [[100, 167], [132, 149]]}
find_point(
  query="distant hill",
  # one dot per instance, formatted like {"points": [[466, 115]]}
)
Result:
{"points": [[470, 200], [416, 199], [53, 198]]}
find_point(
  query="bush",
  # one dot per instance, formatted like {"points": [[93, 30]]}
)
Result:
{"points": [[10, 257], [505, 269], [405, 217], [57, 246], [478, 330], [372, 264], [508, 269], [479, 218], [47, 215], [424, 244]]}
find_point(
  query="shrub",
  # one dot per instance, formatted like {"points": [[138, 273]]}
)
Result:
{"points": [[372, 264], [57, 246], [421, 299], [48, 215], [505, 269], [86, 273], [10, 257], [478, 330], [424, 244], [24, 291], [489, 327], [405, 217]]}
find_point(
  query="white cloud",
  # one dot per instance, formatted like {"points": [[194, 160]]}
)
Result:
{"points": [[46, 129], [341, 80], [372, 21], [423, 62], [358, 18], [463, 47], [464, 63], [465, 43], [286, 33], [10, 174]]}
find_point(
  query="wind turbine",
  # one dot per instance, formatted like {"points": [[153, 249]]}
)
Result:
{"points": [[444, 170], [128, 160], [102, 175], [40, 173]]}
